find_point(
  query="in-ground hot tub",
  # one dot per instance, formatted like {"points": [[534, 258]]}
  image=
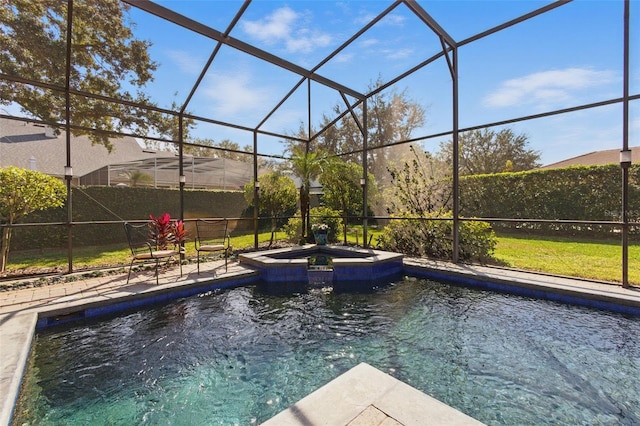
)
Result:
{"points": [[348, 268]]}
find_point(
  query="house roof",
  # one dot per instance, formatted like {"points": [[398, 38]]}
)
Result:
{"points": [[596, 158], [35, 146]]}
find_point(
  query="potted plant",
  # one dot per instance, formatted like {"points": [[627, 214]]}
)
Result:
{"points": [[320, 232]]}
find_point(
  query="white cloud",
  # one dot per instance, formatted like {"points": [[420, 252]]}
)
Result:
{"points": [[275, 26], [186, 62], [343, 58], [307, 43], [399, 54], [394, 20], [369, 42], [280, 26], [547, 87], [232, 94]]}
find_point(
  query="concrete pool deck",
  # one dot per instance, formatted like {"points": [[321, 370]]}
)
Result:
{"points": [[365, 396], [22, 309]]}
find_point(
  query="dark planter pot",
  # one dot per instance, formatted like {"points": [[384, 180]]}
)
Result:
{"points": [[320, 237]]}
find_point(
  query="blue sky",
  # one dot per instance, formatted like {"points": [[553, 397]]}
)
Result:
{"points": [[567, 57]]}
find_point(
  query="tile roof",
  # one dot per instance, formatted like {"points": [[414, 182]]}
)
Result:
{"points": [[34, 146], [596, 158]]}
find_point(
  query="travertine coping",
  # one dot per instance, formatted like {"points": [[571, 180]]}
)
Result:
{"points": [[367, 396], [16, 336]]}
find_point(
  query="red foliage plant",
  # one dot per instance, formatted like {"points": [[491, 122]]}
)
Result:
{"points": [[179, 232], [163, 232]]}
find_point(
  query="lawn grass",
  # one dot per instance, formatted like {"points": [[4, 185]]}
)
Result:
{"points": [[599, 260], [83, 257], [107, 256]]}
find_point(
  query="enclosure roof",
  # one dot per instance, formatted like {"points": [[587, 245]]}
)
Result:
{"points": [[308, 57], [313, 58], [264, 73], [200, 172]]}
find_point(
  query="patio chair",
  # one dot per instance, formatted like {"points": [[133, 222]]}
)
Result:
{"points": [[212, 236], [142, 250]]}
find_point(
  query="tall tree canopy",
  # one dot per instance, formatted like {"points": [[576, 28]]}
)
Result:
{"points": [[229, 149], [392, 116], [106, 61], [486, 151]]}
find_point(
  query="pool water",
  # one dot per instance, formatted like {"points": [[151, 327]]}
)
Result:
{"points": [[240, 356]]}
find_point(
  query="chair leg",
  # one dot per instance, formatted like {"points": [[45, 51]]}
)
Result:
{"points": [[129, 276], [198, 261], [157, 264]]}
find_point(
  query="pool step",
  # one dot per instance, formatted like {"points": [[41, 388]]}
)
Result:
{"points": [[320, 276]]}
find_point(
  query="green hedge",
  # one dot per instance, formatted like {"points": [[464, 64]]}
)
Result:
{"points": [[590, 193], [115, 203], [583, 193]]}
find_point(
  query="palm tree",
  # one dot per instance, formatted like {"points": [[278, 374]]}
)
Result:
{"points": [[307, 166], [137, 177]]}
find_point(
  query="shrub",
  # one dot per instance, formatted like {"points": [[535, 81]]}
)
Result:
{"points": [[477, 241], [430, 236], [293, 228]]}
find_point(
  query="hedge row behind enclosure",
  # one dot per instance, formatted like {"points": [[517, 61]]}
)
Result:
{"points": [[580, 193], [101, 203], [585, 193]]}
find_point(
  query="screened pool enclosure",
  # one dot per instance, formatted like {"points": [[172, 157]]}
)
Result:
{"points": [[219, 93]]}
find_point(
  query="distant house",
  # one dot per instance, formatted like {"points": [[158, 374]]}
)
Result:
{"points": [[596, 158], [37, 147]]}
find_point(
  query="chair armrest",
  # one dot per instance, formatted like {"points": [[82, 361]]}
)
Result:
{"points": [[142, 249]]}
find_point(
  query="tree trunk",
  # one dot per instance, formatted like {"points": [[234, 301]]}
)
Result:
{"points": [[345, 225], [4, 248], [304, 210], [273, 231]]}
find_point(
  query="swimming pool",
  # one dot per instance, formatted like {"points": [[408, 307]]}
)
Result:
{"points": [[240, 356]]}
